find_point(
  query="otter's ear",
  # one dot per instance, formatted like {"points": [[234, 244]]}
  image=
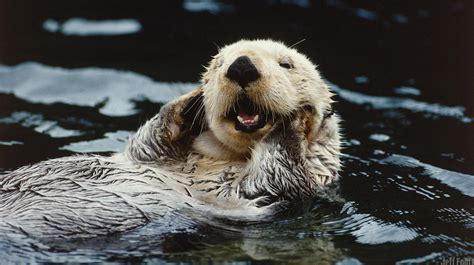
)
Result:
{"points": [[194, 115]]}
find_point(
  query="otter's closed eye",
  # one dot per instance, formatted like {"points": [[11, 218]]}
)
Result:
{"points": [[285, 64]]}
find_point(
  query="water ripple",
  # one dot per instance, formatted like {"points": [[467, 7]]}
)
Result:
{"points": [[379, 102], [459, 181]]}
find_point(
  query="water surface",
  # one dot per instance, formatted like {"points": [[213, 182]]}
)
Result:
{"points": [[407, 187]]}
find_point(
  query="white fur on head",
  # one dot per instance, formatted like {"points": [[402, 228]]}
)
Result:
{"points": [[279, 90]]}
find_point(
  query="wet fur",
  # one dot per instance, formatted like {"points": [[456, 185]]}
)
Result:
{"points": [[184, 159]]}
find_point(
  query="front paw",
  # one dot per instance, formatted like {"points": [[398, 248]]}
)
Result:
{"points": [[299, 126], [304, 123], [183, 115]]}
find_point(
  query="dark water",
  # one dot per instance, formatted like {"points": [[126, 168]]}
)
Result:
{"points": [[402, 72]]}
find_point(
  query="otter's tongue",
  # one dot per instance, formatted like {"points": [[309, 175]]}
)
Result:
{"points": [[246, 118]]}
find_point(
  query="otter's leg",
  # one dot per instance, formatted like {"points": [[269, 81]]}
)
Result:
{"points": [[169, 134], [283, 166]]}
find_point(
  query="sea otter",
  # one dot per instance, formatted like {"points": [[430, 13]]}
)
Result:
{"points": [[258, 132]]}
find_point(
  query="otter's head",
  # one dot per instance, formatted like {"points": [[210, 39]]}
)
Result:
{"points": [[249, 85]]}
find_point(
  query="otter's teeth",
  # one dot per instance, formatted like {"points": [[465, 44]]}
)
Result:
{"points": [[248, 121], [255, 119]]}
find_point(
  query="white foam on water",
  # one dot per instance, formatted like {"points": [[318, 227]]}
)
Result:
{"points": [[114, 90], [86, 27]]}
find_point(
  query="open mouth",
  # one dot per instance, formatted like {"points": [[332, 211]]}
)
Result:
{"points": [[247, 116]]}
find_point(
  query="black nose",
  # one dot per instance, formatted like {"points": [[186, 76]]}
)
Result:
{"points": [[242, 71]]}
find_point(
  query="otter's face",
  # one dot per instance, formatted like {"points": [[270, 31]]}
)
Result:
{"points": [[249, 85]]}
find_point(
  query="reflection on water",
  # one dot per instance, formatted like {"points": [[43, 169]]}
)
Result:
{"points": [[378, 102], [404, 90], [113, 91], [39, 124], [213, 7], [84, 27], [397, 202], [112, 142]]}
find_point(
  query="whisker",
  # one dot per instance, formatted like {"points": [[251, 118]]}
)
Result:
{"points": [[203, 117], [233, 107], [189, 108], [197, 114], [297, 43]]}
